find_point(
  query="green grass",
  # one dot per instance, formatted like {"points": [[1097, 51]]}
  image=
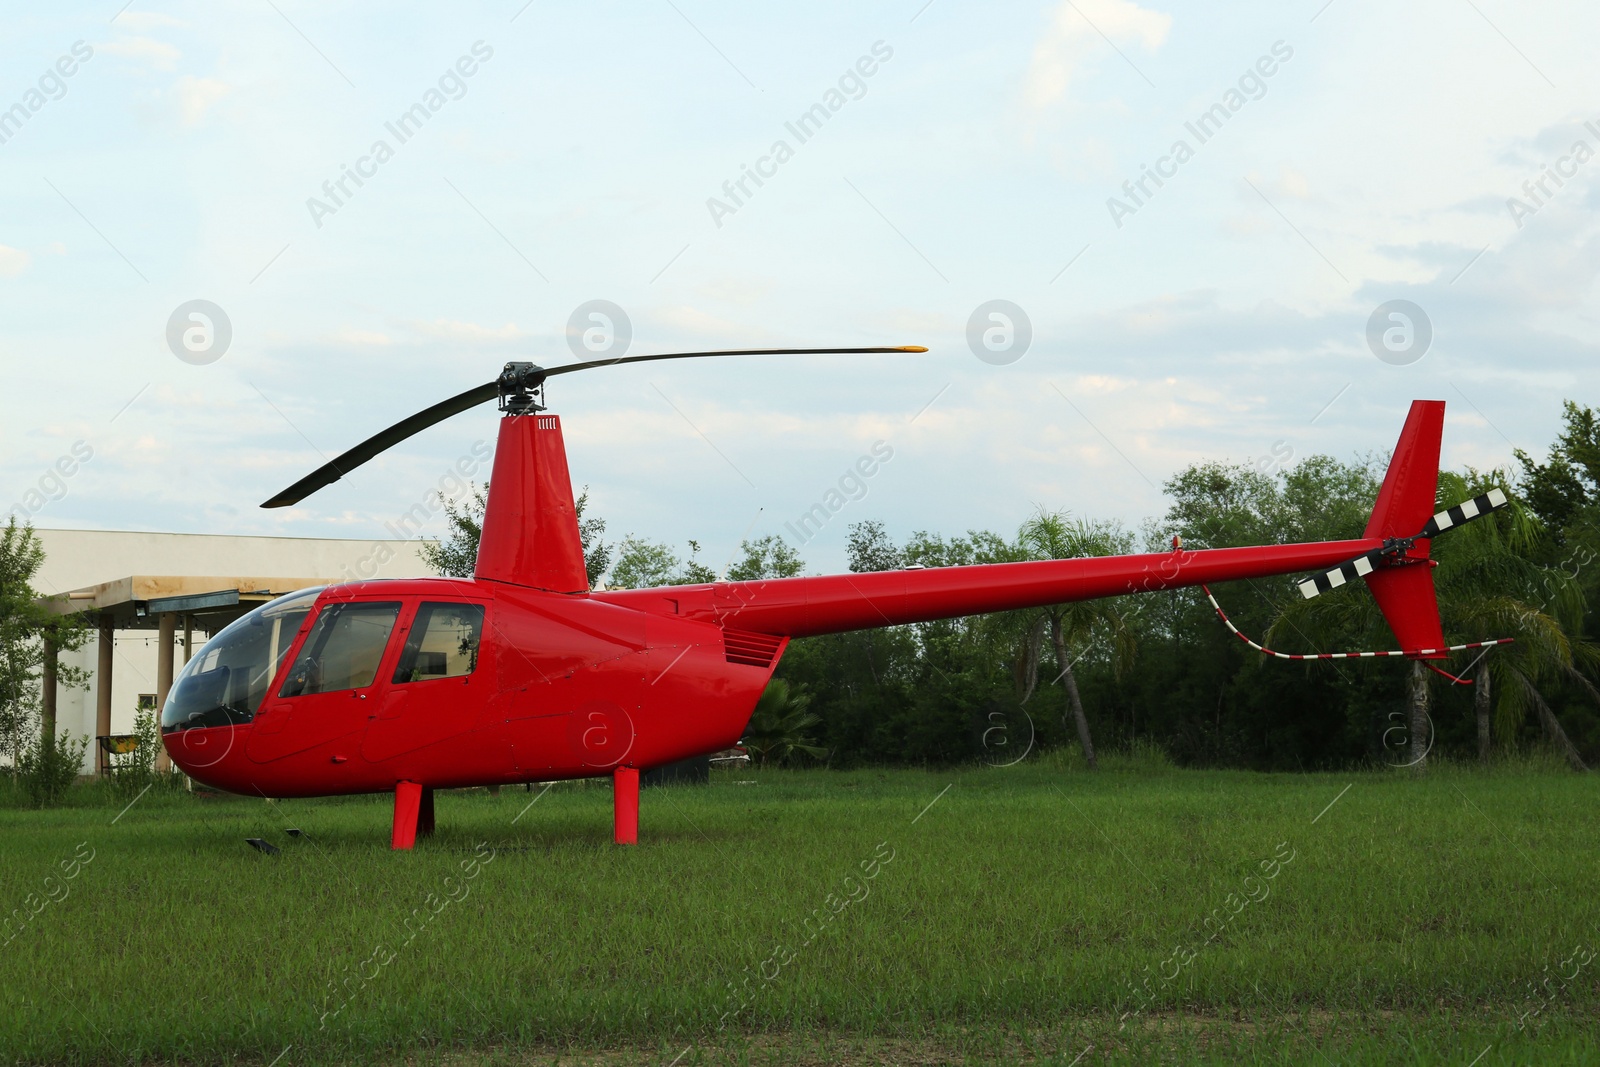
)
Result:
{"points": [[1016, 917]]}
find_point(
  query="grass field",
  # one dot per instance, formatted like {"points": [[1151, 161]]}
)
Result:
{"points": [[1036, 913]]}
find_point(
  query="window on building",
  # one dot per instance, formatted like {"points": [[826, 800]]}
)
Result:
{"points": [[443, 643]]}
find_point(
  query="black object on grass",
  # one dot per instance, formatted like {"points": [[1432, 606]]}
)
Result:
{"points": [[262, 846]]}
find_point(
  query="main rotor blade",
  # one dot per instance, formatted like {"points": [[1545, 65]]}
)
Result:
{"points": [[730, 352], [335, 469], [517, 377]]}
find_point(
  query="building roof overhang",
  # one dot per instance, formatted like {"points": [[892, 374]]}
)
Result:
{"points": [[138, 601]]}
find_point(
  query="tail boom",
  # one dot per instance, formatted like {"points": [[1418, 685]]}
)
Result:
{"points": [[1392, 557], [807, 607]]}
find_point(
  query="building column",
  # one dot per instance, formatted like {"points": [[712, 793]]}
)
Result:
{"points": [[165, 634], [102, 693], [188, 654], [47, 695]]}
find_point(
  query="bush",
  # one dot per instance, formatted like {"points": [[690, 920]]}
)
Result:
{"points": [[136, 770], [48, 770]]}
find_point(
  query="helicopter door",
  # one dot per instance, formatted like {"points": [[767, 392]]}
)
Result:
{"points": [[328, 692], [438, 687]]}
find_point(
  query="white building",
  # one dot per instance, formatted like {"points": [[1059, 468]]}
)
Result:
{"points": [[143, 588]]}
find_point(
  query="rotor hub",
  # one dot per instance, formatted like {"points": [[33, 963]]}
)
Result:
{"points": [[521, 388]]}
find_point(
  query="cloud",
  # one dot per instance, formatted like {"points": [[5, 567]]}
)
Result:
{"points": [[1102, 384], [1075, 31], [1293, 183], [452, 330], [196, 95], [918, 323], [146, 20], [696, 321], [744, 292], [157, 54], [13, 261], [363, 338]]}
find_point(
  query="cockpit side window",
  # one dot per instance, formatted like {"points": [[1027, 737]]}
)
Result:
{"points": [[443, 643], [343, 649]]}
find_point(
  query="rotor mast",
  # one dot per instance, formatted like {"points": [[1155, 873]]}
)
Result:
{"points": [[530, 521]]}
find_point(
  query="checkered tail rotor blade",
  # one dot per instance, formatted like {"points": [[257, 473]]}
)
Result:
{"points": [[1363, 565]]}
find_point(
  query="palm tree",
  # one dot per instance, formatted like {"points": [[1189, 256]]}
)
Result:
{"points": [[1054, 535], [1488, 587], [780, 723]]}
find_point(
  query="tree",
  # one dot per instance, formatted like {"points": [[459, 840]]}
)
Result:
{"points": [[765, 557], [645, 564], [456, 556], [1567, 484], [30, 636], [21, 649], [1229, 505], [868, 548], [1053, 535], [780, 725], [596, 553]]}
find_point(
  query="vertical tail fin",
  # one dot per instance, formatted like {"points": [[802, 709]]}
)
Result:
{"points": [[1403, 588], [1405, 503]]}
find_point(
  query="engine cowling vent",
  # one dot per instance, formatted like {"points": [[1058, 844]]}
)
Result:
{"points": [[751, 649]]}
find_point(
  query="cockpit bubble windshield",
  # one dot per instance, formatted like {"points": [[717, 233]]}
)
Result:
{"points": [[225, 683]]}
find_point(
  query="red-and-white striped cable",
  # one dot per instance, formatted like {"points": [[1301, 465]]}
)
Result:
{"points": [[1265, 651]]}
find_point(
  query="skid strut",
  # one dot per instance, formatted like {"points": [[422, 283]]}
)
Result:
{"points": [[625, 801]]}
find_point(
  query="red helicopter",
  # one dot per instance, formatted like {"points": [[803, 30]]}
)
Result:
{"points": [[522, 673]]}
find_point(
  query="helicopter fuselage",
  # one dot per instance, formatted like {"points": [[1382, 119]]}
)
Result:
{"points": [[554, 686]]}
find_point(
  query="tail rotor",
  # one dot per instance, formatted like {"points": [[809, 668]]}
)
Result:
{"points": [[1399, 572]]}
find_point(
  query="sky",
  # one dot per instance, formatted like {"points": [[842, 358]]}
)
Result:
{"points": [[1199, 219]]}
